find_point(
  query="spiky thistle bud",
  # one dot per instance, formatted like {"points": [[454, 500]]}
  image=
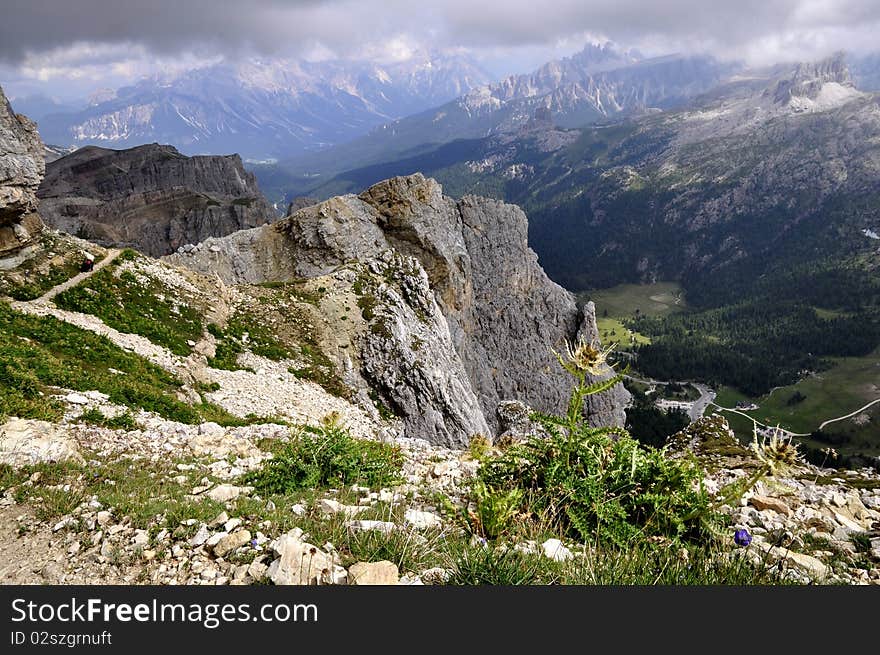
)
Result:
{"points": [[777, 452], [584, 357]]}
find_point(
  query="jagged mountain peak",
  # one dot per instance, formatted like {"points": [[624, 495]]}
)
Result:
{"points": [[824, 82], [464, 267], [266, 108]]}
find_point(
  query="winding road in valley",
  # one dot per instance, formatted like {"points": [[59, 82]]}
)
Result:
{"points": [[707, 398], [858, 411], [698, 407]]}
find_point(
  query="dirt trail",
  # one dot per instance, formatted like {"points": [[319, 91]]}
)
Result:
{"points": [[37, 555], [76, 279]]}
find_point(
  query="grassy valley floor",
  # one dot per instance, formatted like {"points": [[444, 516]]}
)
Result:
{"points": [[625, 301], [848, 385]]}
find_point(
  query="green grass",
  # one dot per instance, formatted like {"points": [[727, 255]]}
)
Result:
{"points": [[125, 303], [38, 354], [140, 493], [850, 384], [641, 564], [243, 332], [41, 282], [123, 421], [829, 314], [246, 331], [39, 274], [623, 300], [612, 330]]}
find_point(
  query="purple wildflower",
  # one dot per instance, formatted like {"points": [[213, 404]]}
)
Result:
{"points": [[742, 537]]}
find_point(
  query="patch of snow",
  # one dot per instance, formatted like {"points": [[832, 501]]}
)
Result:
{"points": [[831, 95]]}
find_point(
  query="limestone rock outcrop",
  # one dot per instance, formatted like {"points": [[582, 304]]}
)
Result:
{"points": [[455, 275], [150, 197], [21, 169]]}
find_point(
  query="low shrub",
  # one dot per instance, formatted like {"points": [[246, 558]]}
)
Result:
{"points": [[594, 483], [327, 456]]}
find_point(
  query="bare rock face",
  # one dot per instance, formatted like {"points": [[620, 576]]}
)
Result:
{"points": [[469, 294], [151, 197], [21, 169], [807, 79], [409, 358]]}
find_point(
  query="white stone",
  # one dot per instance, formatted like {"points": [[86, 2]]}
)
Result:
{"points": [[329, 506], [214, 539], [257, 570], [226, 492], [219, 520], [847, 523], [422, 520], [201, 536], [24, 442], [230, 542], [555, 550], [76, 399], [373, 573], [810, 565], [67, 521], [300, 563], [385, 527]]}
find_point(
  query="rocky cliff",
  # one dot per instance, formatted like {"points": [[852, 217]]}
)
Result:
{"points": [[150, 197], [458, 307], [21, 169]]}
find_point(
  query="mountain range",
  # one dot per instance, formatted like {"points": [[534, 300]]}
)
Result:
{"points": [[702, 179], [262, 108], [598, 84]]}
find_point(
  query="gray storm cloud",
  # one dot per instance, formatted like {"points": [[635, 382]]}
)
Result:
{"points": [[745, 29]]}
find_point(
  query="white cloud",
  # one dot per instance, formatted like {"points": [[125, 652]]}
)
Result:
{"points": [[109, 39]]}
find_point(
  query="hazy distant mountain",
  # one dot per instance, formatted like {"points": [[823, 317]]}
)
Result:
{"points": [[37, 106], [866, 72], [597, 84], [264, 109]]}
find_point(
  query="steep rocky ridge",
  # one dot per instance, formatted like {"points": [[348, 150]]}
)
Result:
{"points": [[21, 169], [150, 197], [469, 259]]}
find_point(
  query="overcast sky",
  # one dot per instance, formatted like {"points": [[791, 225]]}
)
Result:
{"points": [[73, 46]]}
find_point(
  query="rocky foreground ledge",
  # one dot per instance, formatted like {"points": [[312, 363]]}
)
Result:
{"points": [[814, 525]]}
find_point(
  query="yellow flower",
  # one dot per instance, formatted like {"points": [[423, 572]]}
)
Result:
{"points": [[584, 357]]}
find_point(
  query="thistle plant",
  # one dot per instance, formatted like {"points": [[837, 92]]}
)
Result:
{"points": [[778, 453], [588, 482], [582, 359]]}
